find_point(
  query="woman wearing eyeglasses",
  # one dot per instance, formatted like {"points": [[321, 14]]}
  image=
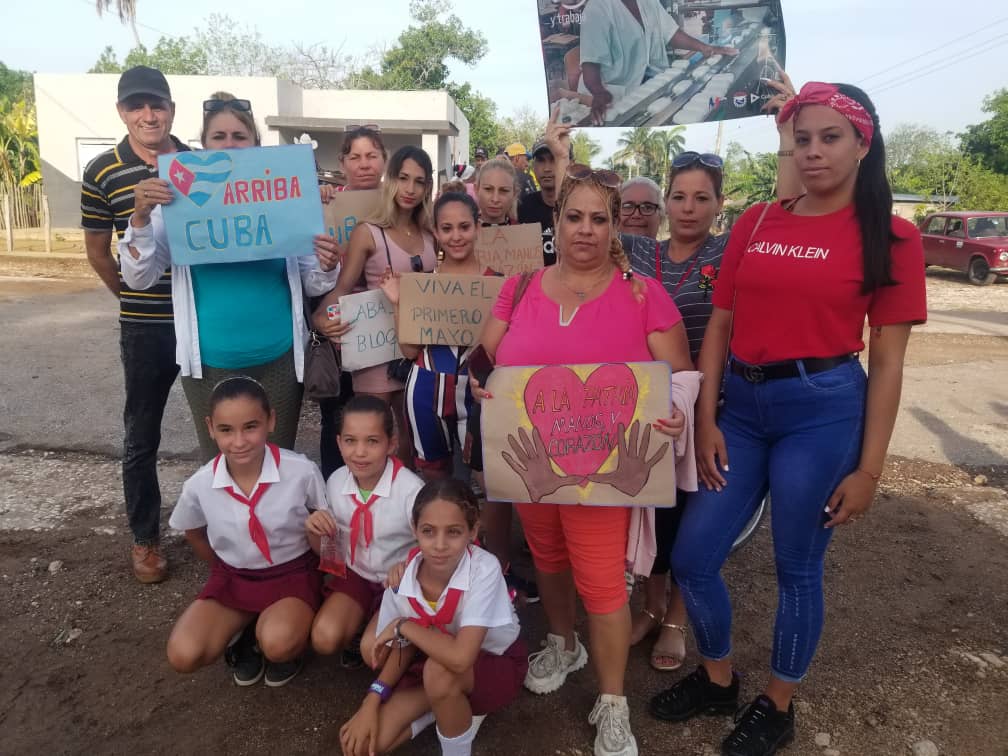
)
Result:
{"points": [[800, 416], [231, 319], [398, 237], [587, 308], [641, 208]]}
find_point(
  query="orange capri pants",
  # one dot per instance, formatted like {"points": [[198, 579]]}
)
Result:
{"points": [[589, 541]]}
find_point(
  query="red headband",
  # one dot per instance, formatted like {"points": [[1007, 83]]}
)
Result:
{"points": [[819, 93]]}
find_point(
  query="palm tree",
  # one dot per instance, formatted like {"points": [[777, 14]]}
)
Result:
{"points": [[666, 143], [637, 149], [127, 13]]}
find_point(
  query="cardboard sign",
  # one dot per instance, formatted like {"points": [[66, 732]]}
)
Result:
{"points": [[345, 210], [579, 434], [649, 81], [257, 203], [372, 339], [511, 249], [444, 309]]}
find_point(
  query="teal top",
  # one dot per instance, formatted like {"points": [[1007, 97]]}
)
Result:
{"points": [[243, 311]]}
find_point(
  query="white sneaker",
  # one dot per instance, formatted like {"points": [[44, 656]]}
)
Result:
{"points": [[611, 717], [548, 669]]}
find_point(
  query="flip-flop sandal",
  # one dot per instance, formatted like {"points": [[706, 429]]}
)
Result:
{"points": [[659, 653], [653, 624]]}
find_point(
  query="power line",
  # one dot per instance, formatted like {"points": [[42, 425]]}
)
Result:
{"points": [[899, 81], [902, 63]]}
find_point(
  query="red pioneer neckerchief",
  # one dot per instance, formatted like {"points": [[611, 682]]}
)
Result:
{"points": [[444, 616], [255, 527], [362, 519]]}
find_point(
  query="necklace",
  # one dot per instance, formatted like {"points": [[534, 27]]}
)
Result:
{"points": [[581, 294]]}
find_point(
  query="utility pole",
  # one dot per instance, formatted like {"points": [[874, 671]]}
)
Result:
{"points": [[720, 136]]}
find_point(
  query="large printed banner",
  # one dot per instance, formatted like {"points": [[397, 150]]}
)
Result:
{"points": [[257, 203], [345, 210], [647, 71], [511, 249], [444, 309], [371, 339], [570, 434]]}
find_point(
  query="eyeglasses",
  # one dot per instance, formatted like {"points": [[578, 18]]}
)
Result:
{"points": [[212, 106], [581, 172], [645, 208], [362, 127], [686, 159], [416, 264]]}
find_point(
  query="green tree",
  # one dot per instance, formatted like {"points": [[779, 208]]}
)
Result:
{"points": [[524, 125], [648, 152], [748, 178], [171, 55], [15, 84], [586, 149], [484, 130], [987, 142], [19, 150]]}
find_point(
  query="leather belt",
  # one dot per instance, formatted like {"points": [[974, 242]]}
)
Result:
{"points": [[787, 368]]}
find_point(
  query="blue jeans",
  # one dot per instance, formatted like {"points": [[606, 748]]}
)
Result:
{"points": [[149, 369], [800, 437]]}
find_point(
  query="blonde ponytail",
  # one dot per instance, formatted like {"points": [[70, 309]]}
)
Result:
{"points": [[618, 256]]}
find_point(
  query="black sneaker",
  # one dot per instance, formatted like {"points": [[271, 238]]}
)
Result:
{"points": [[695, 694], [350, 657], [520, 585], [245, 658], [281, 673], [759, 730]]}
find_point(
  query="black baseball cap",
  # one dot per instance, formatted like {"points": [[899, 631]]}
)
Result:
{"points": [[143, 80], [480, 152], [541, 146]]}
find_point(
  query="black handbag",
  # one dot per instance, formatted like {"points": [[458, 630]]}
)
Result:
{"points": [[321, 368]]}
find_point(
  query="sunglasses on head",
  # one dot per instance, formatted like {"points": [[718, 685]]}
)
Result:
{"points": [[362, 127], [212, 106], [416, 263], [686, 159], [581, 172]]}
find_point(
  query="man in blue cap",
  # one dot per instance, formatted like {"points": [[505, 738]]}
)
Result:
{"points": [[147, 332]]}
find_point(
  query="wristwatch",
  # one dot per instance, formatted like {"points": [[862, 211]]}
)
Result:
{"points": [[380, 689]]}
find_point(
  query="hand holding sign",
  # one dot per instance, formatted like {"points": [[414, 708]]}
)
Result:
{"points": [[147, 195]]}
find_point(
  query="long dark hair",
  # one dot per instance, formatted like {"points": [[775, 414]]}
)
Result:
{"points": [[873, 203], [462, 198]]}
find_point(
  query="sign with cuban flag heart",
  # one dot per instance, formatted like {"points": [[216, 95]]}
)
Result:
{"points": [[257, 203]]}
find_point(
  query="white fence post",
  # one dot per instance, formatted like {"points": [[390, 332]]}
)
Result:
{"points": [[46, 223], [8, 222]]}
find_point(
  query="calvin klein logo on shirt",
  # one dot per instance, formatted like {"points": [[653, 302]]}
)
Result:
{"points": [[800, 251]]}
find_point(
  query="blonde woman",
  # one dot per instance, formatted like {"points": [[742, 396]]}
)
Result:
{"points": [[397, 237], [497, 192]]}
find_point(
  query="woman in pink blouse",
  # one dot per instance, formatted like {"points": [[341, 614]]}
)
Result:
{"points": [[587, 308]]}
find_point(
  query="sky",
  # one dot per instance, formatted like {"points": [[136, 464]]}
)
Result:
{"points": [[923, 61]]}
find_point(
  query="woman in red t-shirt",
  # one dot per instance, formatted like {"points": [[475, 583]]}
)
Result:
{"points": [[800, 416]]}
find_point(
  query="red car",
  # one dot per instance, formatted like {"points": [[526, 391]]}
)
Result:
{"points": [[974, 242]]}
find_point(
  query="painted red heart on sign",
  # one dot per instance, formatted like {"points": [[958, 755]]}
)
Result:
{"points": [[579, 420]]}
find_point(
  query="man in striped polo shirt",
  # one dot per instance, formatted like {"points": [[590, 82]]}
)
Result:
{"points": [[147, 332]]}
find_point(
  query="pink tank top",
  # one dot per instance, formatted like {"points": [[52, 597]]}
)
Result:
{"points": [[388, 254]]}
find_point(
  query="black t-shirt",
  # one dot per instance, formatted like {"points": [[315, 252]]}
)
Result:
{"points": [[533, 209]]}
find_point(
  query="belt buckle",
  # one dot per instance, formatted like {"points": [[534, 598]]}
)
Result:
{"points": [[753, 373]]}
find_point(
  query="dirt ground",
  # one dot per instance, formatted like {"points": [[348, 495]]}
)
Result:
{"points": [[915, 646]]}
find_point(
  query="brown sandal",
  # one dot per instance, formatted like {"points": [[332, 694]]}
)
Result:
{"points": [[653, 624], [659, 652]]}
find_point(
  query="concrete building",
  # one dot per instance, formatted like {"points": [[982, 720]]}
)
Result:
{"points": [[77, 120], [913, 207]]}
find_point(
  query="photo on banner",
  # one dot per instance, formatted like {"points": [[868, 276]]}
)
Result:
{"points": [[579, 434], [345, 210], [671, 62], [445, 309], [371, 339], [511, 249], [258, 203]]}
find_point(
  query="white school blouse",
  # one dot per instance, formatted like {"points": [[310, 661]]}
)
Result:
{"points": [[295, 488], [484, 603], [392, 515]]}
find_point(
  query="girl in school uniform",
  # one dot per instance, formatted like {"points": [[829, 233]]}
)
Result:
{"points": [[447, 646], [244, 514], [371, 500]]}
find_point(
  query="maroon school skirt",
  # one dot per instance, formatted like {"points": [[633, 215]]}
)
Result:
{"points": [[497, 680], [254, 590], [367, 595]]}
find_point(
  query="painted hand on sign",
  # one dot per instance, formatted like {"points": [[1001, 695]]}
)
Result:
{"points": [[632, 468], [532, 464]]}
